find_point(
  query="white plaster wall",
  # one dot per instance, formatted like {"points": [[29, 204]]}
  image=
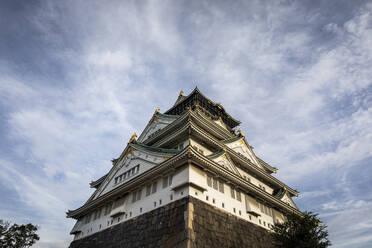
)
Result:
{"points": [[240, 147], [144, 159], [230, 203], [206, 151], [169, 194], [133, 209], [255, 181]]}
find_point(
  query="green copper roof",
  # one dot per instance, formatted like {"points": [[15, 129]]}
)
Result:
{"points": [[216, 154], [167, 116], [154, 149], [197, 98], [279, 193], [98, 181], [180, 99], [266, 165], [229, 140]]}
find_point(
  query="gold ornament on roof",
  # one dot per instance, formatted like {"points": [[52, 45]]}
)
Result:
{"points": [[134, 136], [157, 111], [240, 132], [181, 93]]}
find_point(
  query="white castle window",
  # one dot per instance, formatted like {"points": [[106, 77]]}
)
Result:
{"points": [[209, 180], [154, 187], [127, 174], [238, 195], [87, 218], [221, 187], [265, 209], [136, 195], [167, 181], [97, 214], [215, 183], [148, 190], [108, 208], [232, 193]]}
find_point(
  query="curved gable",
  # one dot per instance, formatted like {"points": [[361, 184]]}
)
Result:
{"points": [[157, 122]]}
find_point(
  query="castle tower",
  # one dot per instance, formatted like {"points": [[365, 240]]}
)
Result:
{"points": [[189, 180]]}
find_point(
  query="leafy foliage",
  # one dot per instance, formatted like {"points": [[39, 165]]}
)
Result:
{"points": [[304, 231], [17, 236]]}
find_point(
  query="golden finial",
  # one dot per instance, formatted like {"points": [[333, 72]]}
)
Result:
{"points": [[134, 136], [157, 111], [240, 132], [181, 93]]}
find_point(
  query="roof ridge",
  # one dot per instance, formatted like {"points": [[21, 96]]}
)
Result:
{"points": [[216, 154], [155, 149], [232, 139]]}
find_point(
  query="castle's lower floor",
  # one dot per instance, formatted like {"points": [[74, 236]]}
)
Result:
{"points": [[187, 222]]}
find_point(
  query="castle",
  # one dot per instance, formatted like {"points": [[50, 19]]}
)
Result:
{"points": [[189, 180]]}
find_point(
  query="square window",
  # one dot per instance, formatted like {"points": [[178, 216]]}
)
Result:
{"points": [[139, 194], [154, 187], [215, 183], [207, 198], [165, 182], [209, 180], [234, 210], [238, 195], [232, 193], [170, 178], [221, 187], [148, 190], [223, 205]]}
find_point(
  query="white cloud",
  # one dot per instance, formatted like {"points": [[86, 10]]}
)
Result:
{"points": [[305, 106]]}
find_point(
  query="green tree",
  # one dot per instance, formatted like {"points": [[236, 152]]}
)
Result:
{"points": [[17, 236], [297, 231]]}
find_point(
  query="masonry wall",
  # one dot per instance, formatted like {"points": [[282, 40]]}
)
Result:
{"points": [[185, 223], [212, 227]]}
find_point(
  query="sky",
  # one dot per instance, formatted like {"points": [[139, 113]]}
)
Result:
{"points": [[78, 78]]}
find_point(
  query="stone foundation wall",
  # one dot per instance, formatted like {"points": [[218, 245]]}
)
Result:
{"points": [[185, 223], [212, 227]]}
